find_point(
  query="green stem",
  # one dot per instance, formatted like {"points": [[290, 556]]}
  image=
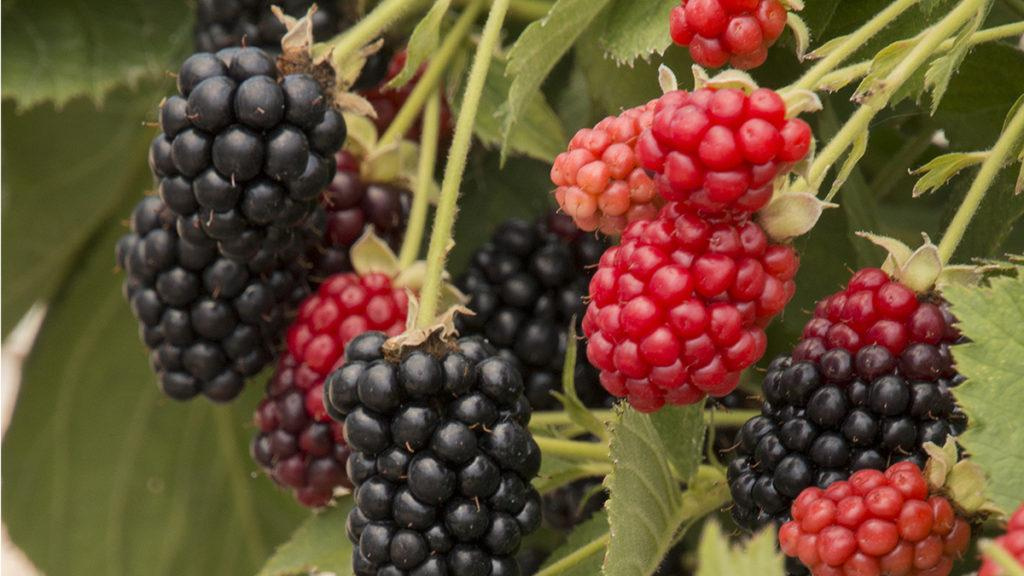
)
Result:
{"points": [[998, 554], [424, 178], [444, 221], [877, 101], [595, 546], [1001, 153], [721, 418], [370, 27], [578, 471], [572, 449], [431, 78], [528, 10], [852, 44]]}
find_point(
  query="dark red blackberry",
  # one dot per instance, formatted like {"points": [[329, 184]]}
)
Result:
{"points": [[845, 402], [387, 101], [297, 444], [351, 205], [227, 23], [209, 322], [442, 457], [245, 153], [525, 286]]}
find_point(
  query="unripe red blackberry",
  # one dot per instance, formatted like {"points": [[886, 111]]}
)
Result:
{"points": [[388, 101], [599, 180], [297, 443], [208, 321], [442, 456], [876, 523], [678, 309], [526, 285], [719, 151], [245, 153], [231, 23], [353, 205], [1012, 542], [863, 401], [734, 32]]}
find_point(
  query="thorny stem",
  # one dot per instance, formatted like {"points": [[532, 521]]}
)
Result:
{"points": [[431, 78], [444, 221], [424, 178], [371, 26], [885, 88], [851, 44], [1000, 154], [573, 449]]}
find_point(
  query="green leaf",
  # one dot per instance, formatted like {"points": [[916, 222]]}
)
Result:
{"points": [[941, 70], [57, 51], [941, 169], [681, 429], [582, 552], [801, 33], [759, 556], [536, 52], [318, 546], [422, 43], [636, 29], [571, 402], [993, 361], [65, 174], [115, 479]]}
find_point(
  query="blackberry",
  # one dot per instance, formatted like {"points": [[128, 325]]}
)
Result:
{"points": [[843, 403], [525, 286], [227, 23], [439, 489], [388, 101], [209, 322], [245, 153], [352, 204]]}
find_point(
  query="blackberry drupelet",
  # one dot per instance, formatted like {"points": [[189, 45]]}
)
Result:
{"points": [[245, 153], [525, 286], [442, 457], [866, 388], [352, 204], [227, 23], [208, 321]]}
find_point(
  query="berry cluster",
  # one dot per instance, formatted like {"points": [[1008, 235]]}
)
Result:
{"points": [[227, 23], [678, 310], [245, 154], [526, 285], [1012, 542], [351, 205], [208, 321], [388, 101], [442, 459], [599, 180], [737, 32], [720, 150], [867, 387], [876, 523], [297, 444]]}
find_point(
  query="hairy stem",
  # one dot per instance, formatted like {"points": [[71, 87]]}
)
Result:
{"points": [[371, 26], [853, 42], [595, 546], [424, 178], [1001, 153], [444, 221], [885, 88], [431, 78], [573, 449]]}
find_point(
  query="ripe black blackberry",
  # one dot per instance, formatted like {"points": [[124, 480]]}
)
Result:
{"points": [[227, 23], [442, 457], [245, 153], [826, 418], [209, 321], [351, 205], [525, 286]]}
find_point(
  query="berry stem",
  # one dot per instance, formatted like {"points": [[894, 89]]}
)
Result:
{"points": [[595, 546], [444, 220], [528, 10], [424, 178], [578, 471], [431, 78], [999, 555], [1002, 153], [721, 418], [370, 27], [573, 449], [851, 44], [877, 100]]}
